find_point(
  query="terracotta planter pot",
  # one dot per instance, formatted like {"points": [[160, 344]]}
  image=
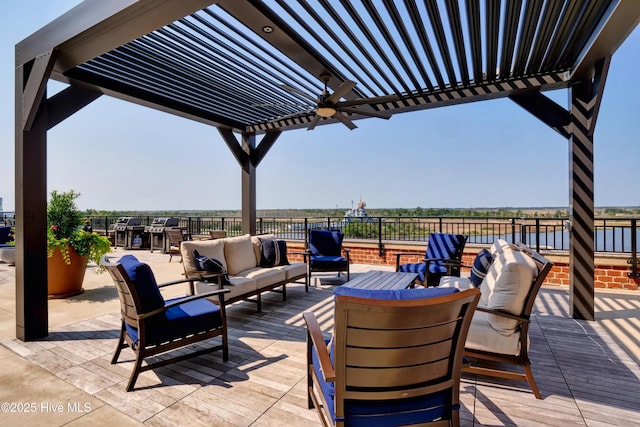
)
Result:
{"points": [[65, 280]]}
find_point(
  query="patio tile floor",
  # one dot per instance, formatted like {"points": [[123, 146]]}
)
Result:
{"points": [[585, 375]]}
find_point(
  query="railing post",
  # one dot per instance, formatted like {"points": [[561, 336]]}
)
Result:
{"points": [[634, 273], [306, 233], [513, 230], [380, 247], [537, 234]]}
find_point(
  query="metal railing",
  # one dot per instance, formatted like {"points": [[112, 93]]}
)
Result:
{"points": [[611, 235]]}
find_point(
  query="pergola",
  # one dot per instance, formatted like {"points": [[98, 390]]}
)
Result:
{"points": [[224, 63]]}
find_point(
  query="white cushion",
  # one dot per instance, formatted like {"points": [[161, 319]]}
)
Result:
{"points": [[263, 276], [482, 336], [498, 246], [208, 248], [295, 269], [238, 253], [461, 283], [239, 286], [506, 286]]}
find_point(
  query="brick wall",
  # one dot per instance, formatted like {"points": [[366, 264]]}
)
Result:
{"points": [[611, 271]]}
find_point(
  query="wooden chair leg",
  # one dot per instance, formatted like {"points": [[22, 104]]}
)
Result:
{"points": [[121, 344], [532, 382], [135, 372]]}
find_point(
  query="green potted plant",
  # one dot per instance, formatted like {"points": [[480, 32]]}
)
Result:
{"points": [[69, 246]]}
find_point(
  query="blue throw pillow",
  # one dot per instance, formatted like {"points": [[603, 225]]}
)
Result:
{"points": [[480, 267], [394, 294], [145, 283], [274, 252], [211, 265]]}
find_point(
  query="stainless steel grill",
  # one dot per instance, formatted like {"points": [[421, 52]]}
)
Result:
{"points": [[129, 232], [157, 236]]}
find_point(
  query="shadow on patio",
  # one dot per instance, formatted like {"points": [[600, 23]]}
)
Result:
{"points": [[585, 376]]}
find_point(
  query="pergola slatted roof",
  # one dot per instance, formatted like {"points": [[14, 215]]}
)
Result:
{"points": [[225, 69], [224, 63]]}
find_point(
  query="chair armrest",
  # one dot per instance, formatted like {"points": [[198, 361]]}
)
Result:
{"points": [[314, 334], [347, 252], [218, 292], [304, 254], [174, 282], [445, 262], [406, 254], [503, 313]]}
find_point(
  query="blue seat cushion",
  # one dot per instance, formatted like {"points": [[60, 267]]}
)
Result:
{"points": [[368, 413], [420, 267], [144, 282], [179, 321], [394, 294], [327, 262]]}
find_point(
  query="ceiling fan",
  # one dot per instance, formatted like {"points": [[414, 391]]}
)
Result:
{"points": [[327, 105]]}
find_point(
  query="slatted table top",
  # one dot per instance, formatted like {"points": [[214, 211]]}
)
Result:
{"points": [[375, 279]]}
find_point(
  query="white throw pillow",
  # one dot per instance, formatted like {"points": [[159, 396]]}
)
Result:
{"points": [[238, 252], [509, 280], [208, 248], [498, 246]]}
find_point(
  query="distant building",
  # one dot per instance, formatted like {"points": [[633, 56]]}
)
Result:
{"points": [[1, 209]]}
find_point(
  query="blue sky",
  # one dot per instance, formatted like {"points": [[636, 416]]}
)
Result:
{"points": [[483, 154]]}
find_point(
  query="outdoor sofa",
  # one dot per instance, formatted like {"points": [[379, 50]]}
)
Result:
{"points": [[252, 265]]}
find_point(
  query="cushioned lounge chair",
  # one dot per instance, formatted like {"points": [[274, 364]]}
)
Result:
{"points": [[442, 258], [499, 331], [151, 325], [395, 357], [326, 253]]}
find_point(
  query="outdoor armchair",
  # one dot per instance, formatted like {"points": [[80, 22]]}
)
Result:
{"points": [[151, 325], [442, 258], [395, 357], [499, 331], [175, 238], [326, 253]]}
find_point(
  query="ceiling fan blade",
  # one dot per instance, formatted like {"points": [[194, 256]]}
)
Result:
{"points": [[369, 113], [363, 101], [342, 118], [299, 92], [344, 88], [314, 122]]}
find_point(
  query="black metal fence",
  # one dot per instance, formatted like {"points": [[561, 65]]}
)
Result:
{"points": [[610, 235], [618, 235]]}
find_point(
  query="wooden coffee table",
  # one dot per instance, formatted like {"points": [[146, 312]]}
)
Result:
{"points": [[376, 279]]}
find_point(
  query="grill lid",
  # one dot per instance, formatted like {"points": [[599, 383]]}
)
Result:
{"points": [[164, 222], [129, 220]]}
